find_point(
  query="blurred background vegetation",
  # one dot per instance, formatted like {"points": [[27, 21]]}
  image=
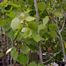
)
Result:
{"points": [[32, 32]]}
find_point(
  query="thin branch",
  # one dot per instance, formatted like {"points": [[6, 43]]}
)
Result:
{"points": [[62, 25], [40, 53], [36, 9], [37, 16], [55, 54], [60, 38], [62, 45]]}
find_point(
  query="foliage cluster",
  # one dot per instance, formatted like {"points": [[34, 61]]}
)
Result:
{"points": [[29, 33]]}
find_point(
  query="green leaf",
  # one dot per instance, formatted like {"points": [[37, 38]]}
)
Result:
{"points": [[29, 18], [52, 27], [22, 59], [58, 14], [43, 25], [33, 26], [45, 20], [36, 37], [41, 6], [11, 34], [11, 14], [32, 64], [40, 64], [15, 24], [4, 2], [26, 32], [53, 34], [40, 27], [14, 54], [25, 49], [30, 2], [15, 5], [22, 16], [2, 22]]}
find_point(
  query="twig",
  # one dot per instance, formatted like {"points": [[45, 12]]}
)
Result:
{"points": [[62, 25], [60, 38], [52, 57], [37, 16], [40, 53], [36, 9], [62, 45]]}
